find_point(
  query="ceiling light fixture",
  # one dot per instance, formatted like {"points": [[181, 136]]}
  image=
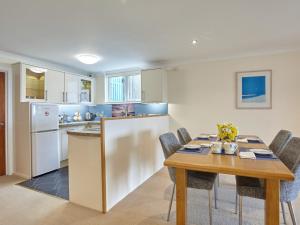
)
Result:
{"points": [[88, 58], [38, 70], [195, 42]]}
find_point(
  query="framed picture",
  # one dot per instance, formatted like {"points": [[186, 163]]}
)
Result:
{"points": [[254, 89]]}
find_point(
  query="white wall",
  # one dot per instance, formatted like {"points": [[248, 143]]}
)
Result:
{"points": [[132, 153], [203, 94]]}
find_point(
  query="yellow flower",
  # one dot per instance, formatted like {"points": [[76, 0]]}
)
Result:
{"points": [[227, 132]]}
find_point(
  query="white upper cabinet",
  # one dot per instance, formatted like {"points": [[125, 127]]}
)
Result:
{"points": [[55, 86], [154, 85], [32, 83], [71, 89], [86, 90], [38, 84]]}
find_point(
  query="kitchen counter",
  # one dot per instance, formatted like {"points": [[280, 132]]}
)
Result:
{"points": [[73, 124], [91, 132]]}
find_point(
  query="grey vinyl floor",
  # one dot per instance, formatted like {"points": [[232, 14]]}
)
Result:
{"points": [[54, 183]]}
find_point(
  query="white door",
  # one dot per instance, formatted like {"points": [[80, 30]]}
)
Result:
{"points": [[44, 117], [55, 86], [45, 152], [71, 88]]}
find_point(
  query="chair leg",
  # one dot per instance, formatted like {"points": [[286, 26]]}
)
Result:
{"points": [[240, 210], [216, 195], [218, 180], [292, 213], [209, 207], [236, 203], [171, 201], [283, 212]]}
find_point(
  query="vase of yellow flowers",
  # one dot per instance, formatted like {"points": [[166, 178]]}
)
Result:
{"points": [[227, 132]]}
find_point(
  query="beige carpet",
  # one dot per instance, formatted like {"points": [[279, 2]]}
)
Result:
{"points": [[145, 206]]}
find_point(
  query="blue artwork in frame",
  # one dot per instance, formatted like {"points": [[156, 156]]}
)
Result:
{"points": [[254, 89]]}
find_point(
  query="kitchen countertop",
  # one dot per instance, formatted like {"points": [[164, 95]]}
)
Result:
{"points": [[91, 132], [79, 123]]}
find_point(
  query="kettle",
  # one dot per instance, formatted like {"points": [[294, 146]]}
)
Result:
{"points": [[88, 116]]}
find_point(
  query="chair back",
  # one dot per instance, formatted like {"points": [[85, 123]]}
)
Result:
{"points": [[184, 136], [290, 156], [280, 141], [169, 145]]}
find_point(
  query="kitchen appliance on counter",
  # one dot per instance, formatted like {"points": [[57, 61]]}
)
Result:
{"points": [[44, 138], [90, 116]]}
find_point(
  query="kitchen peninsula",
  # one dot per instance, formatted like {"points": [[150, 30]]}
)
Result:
{"points": [[106, 165]]}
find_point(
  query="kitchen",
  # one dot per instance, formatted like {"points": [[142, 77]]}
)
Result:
{"points": [[55, 121]]}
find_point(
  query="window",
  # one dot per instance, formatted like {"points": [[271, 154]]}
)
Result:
{"points": [[123, 87]]}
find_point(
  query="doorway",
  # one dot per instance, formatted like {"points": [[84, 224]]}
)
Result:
{"points": [[2, 125]]}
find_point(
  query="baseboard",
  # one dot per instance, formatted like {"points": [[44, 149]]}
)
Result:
{"points": [[25, 176]]}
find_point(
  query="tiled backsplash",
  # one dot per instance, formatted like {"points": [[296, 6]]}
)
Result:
{"points": [[108, 110]]}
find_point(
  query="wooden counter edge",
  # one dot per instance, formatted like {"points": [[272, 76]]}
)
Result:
{"points": [[264, 175], [103, 165]]}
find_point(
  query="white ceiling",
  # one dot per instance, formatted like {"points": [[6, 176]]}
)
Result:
{"points": [[141, 33]]}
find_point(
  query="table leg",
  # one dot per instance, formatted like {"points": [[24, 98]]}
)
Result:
{"points": [[272, 202], [181, 196]]}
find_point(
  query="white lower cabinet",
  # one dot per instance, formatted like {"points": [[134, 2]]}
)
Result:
{"points": [[63, 136]]}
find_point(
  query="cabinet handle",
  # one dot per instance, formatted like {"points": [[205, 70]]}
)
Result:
{"points": [[46, 95], [66, 96], [2, 124]]}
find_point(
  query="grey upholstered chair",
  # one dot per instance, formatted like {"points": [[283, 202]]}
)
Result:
{"points": [[198, 180], [255, 188], [280, 140], [184, 136], [277, 145]]}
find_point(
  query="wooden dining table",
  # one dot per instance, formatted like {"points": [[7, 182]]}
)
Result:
{"points": [[269, 169]]}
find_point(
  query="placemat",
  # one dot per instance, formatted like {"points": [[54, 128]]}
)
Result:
{"points": [[261, 157], [201, 151]]}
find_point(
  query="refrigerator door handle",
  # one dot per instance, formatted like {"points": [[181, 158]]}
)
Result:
{"points": [[44, 131]]}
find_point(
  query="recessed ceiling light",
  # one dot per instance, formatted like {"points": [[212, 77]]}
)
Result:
{"points": [[195, 42], [88, 58]]}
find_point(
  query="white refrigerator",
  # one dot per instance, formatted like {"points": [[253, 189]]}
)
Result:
{"points": [[44, 138]]}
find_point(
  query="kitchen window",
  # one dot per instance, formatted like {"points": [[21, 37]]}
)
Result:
{"points": [[123, 87]]}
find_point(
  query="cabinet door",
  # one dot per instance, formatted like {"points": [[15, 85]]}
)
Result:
{"points": [[55, 86], [86, 90], [153, 85], [71, 88], [32, 83], [63, 144]]}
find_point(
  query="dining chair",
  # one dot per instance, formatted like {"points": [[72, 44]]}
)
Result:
{"points": [[184, 136], [289, 190], [277, 145], [197, 180], [280, 140]]}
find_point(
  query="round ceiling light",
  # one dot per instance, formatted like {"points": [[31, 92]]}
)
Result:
{"points": [[88, 58], [195, 42]]}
